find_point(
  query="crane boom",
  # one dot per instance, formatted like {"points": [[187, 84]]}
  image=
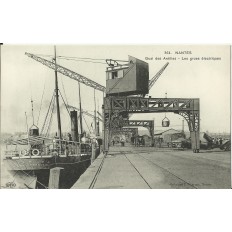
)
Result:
{"points": [[157, 75], [66, 72]]}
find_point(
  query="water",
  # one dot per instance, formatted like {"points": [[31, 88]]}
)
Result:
{"points": [[7, 179]]}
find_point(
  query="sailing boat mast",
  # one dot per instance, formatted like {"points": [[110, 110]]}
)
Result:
{"points": [[57, 99], [32, 111]]}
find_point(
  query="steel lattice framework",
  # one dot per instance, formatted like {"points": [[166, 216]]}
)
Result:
{"points": [[115, 109], [67, 72]]}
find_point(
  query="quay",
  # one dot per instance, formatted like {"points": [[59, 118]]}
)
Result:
{"points": [[157, 168]]}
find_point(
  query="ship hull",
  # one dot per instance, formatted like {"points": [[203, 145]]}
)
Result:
{"points": [[33, 172]]}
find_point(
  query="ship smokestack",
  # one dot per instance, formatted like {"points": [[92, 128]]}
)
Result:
{"points": [[74, 125]]}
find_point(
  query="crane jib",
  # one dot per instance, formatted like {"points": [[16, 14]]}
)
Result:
{"points": [[66, 72]]}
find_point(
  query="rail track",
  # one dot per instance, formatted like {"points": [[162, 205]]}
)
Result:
{"points": [[97, 172], [167, 171], [124, 153]]}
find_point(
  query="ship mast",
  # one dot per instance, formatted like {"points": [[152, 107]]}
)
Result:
{"points": [[57, 99], [81, 127]]}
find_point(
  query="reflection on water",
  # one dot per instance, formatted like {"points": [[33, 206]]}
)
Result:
{"points": [[14, 179], [7, 179]]}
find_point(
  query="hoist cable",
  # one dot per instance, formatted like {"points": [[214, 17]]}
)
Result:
{"points": [[79, 60]]}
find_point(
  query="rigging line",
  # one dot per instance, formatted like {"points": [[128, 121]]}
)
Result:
{"points": [[65, 103], [49, 129], [87, 61], [44, 124], [86, 58], [53, 96], [41, 104], [86, 124], [66, 106], [83, 58], [45, 55], [31, 182], [50, 120], [31, 176], [64, 91]]}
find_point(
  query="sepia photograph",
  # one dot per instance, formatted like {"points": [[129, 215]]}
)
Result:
{"points": [[115, 117]]}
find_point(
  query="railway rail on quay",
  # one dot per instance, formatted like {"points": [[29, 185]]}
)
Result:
{"points": [[157, 168]]}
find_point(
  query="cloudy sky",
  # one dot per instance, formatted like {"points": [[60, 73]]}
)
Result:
{"points": [[23, 78]]}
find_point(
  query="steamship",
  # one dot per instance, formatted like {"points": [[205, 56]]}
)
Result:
{"points": [[40, 161], [31, 160]]}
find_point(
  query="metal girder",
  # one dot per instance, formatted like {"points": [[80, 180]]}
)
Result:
{"points": [[67, 72], [114, 107], [148, 105], [143, 123]]}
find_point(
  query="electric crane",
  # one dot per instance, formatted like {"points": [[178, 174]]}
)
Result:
{"points": [[84, 80]]}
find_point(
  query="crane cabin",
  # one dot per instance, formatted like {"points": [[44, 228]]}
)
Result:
{"points": [[131, 78]]}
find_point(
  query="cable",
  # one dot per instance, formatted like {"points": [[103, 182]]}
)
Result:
{"points": [[47, 113], [30, 175], [86, 124], [66, 106], [75, 57], [40, 105], [50, 120], [44, 55], [65, 103], [78, 60], [64, 91], [83, 58]]}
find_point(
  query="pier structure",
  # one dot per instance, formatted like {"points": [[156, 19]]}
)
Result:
{"points": [[131, 167]]}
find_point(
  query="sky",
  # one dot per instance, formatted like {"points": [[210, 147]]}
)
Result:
{"points": [[23, 78]]}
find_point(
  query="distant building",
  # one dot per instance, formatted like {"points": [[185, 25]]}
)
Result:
{"points": [[167, 136], [146, 136]]}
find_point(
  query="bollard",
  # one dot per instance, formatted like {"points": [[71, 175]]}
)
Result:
{"points": [[54, 178]]}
